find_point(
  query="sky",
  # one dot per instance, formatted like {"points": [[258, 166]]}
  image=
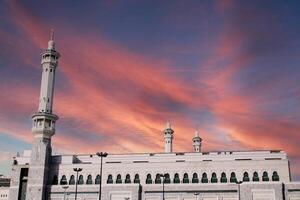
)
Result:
{"points": [[229, 69]]}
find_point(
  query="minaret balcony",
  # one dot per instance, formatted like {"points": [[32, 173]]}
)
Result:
{"points": [[46, 132], [44, 124], [49, 60]]}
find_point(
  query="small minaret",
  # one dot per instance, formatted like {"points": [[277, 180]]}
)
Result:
{"points": [[168, 136], [43, 126], [197, 142]]}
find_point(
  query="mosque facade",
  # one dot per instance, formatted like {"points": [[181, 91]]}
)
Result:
{"points": [[37, 174]]}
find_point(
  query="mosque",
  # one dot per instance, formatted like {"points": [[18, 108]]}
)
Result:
{"points": [[197, 175]]}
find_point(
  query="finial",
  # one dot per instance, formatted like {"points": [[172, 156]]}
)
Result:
{"points": [[197, 133], [168, 125], [51, 44], [52, 34]]}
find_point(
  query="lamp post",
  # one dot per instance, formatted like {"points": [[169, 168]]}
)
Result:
{"points": [[77, 170], [67, 196], [163, 176], [65, 187], [196, 195], [101, 155], [239, 190]]}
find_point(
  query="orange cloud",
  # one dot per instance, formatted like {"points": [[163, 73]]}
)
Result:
{"points": [[123, 98]]}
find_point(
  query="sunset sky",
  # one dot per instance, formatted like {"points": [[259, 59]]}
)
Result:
{"points": [[228, 68]]}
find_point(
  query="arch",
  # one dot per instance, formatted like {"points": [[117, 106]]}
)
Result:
{"points": [[176, 178], [54, 180], [167, 179], [275, 176], [119, 179], [246, 177], [97, 180], [233, 178], [223, 177], [72, 180], [127, 178], [214, 178], [63, 180], [136, 178], [149, 179], [204, 178], [157, 179], [195, 178], [255, 177], [80, 180], [89, 180], [109, 179], [185, 178], [265, 176]]}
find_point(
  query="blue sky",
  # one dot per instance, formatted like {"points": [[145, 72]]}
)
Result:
{"points": [[228, 68]]}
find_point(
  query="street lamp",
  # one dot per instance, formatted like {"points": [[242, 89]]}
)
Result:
{"points": [[101, 155], [163, 176], [77, 170], [67, 196], [196, 195], [65, 187], [239, 190]]}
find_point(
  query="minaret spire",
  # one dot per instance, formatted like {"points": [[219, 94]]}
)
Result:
{"points": [[43, 126], [168, 137], [197, 142], [52, 34], [51, 43]]}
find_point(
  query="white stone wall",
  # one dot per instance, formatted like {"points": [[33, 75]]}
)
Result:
{"points": [[180, 163], [230, 191], [4, 193], [172, 163]]}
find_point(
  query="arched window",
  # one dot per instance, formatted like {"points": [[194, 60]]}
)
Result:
{"points": [[89, 180], [110, 179], [157, 179], [176, 178], [72, 180], [80, 180], [54, 180], [265, 176], [137, 179], [204, 178], [167, 178], [119, 179], [214, 178], [246, 177], [185, 178], [255, 177], [127, 179], [63, 180], [149, 179], [233, 178], [97, 180], [275, 176], [223, 178], [195, 178]]}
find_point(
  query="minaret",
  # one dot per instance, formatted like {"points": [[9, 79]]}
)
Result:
{"points": [[168, 138], [197, 142], [43, 126]]}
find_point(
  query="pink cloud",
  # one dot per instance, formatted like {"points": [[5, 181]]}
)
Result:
{"points": [[106, 87]]}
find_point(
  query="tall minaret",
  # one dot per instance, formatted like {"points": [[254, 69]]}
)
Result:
{"points": [[43, 126], [168, 138], [197, 142]]}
